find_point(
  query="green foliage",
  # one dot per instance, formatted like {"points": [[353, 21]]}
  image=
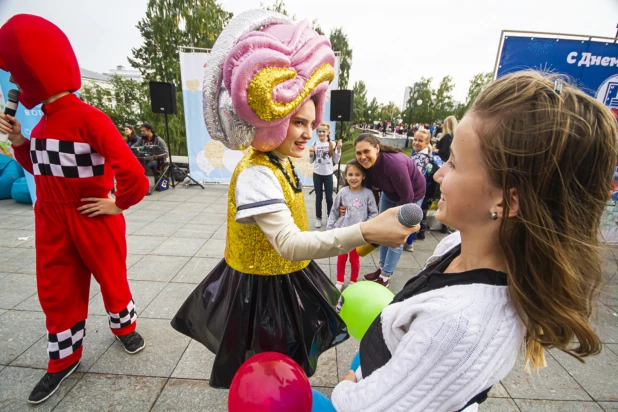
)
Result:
{"points": [[339, 42], [435, 104], [360, 102], [122, 101], [168, 25], [443, 105], [477, 85], [279, 7]]}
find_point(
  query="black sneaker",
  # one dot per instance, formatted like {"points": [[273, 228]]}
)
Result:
{"points": [[49, 383], [132, 342]]}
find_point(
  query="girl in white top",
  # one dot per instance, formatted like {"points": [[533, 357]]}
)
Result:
{"points": [[526, 149], [323, 154]]}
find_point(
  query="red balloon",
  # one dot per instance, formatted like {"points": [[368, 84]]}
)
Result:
{"points": [[270, 382]]}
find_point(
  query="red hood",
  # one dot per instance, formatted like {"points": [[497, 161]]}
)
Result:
{"points": [[40, 58]]}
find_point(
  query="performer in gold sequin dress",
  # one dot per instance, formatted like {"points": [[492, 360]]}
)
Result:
{"points": [[267, 89]]}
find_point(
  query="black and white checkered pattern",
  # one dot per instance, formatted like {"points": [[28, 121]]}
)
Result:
{"points": [[60, 345], [61, 158], [123, 319]]}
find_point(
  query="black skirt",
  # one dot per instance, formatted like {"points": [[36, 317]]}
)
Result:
{"points": [[236, 315]]}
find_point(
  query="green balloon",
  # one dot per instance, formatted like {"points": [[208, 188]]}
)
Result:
{"points": [[362, 303]]}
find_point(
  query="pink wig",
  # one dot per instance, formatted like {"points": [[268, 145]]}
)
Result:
{"points": [[289, 64]]}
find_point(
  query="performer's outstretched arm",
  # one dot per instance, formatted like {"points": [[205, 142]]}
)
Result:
{"points": [[293, 244]]}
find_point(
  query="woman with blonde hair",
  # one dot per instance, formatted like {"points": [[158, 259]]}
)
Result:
{"points": [[443, 146], [323, 154], [529, 173]]}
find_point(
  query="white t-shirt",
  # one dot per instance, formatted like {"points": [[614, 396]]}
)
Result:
{"points": [[323, 161]]}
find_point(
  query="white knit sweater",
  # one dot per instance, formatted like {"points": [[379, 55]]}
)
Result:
{"points": [[447, 346]]}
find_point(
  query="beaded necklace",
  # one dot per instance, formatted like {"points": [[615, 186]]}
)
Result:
{"points": [[275, 160]]}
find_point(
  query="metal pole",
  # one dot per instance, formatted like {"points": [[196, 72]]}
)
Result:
{"points": [[339, 165], [169, 149]]}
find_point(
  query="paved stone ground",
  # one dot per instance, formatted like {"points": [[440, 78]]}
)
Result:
{"points": [[174, 239]]}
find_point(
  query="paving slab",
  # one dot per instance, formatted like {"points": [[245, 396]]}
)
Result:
{"points": [[196, 363], [16, 288], [176, 246], [191, 395], [196, 270], [498, 391], [605, 323], [143, 245], [212, 248], [187, 208], [164, 348], [98, 339], [167, 303], [609, 406], [197, 231], [18, 331], [612, 346], [157, 268], [597, 376], [16, 258], [17, 383], [552, 382], [527, 405], [98, 393], [326, 372], [158, 228], [345, 353], [499, 405]]}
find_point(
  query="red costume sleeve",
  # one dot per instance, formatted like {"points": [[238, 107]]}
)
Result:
{"points": [[131, 183], [22, 155]]}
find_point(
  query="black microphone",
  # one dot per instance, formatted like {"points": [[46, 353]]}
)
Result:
{"points": [[409, 215], [11, 105]]}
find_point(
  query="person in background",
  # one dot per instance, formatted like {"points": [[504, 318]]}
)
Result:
{"points": [[323, 154], [360, 205], [129, 133], [443, 147], [393, 173], [149, 138], [426, 163]]}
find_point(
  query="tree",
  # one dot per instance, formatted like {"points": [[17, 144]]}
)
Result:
{"points": [[360, 102], [123, 102], [339, 42], [168, 25], [477, 85], [443, 100], [279, 7], [420, 106], [373, 110]]}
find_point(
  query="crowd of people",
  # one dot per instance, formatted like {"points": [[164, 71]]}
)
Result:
{"points": [[518, 275]]}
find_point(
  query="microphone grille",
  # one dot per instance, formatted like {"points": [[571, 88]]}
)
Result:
{"points": [[13, 95], [410, 215]]}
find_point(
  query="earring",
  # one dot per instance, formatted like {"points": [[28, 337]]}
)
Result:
{"points": [[494, 216]]}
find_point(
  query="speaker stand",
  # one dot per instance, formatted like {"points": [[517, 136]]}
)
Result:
{"points": [[339, 165], [169, 169]]}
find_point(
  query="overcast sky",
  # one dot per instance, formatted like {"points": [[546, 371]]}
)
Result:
{"points": [[394, 42]]}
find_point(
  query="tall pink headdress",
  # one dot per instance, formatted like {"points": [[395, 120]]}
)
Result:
{"points": [[256, 80]]}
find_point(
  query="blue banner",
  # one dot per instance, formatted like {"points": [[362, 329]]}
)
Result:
{"points": [[593, 67], [27, 118]]}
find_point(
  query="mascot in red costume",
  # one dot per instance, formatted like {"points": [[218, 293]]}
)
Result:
{"points": [[74, 153]]}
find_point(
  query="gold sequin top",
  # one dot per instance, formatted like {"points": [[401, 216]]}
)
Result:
{"points": [[247, 248]]}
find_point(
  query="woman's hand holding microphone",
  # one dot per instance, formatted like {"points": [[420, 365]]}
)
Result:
{"points": [[392, 227]]}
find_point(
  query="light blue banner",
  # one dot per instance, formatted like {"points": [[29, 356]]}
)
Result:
{"points": [[27, 118]]}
